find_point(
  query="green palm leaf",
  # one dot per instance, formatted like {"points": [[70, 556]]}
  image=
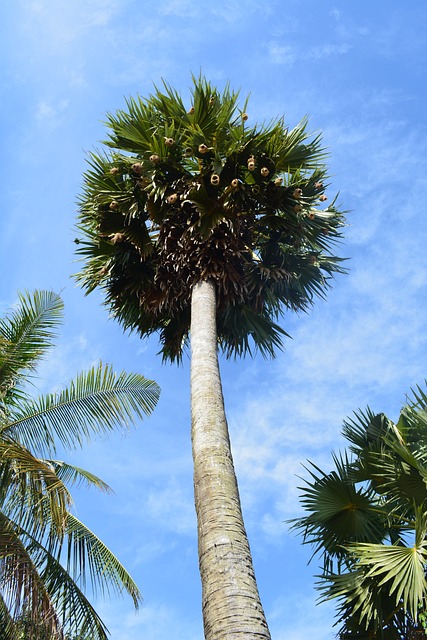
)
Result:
{"points": [[77, 615], [25, 335], [71, 474], [85, 549], [23, 589], [46, 554], [95, 402], [401, 568], [383, 587]]}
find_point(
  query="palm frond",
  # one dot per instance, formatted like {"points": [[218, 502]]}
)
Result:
{"points": [[87, 554], [338, 512], [75, 612], [33, 492], [25, 335], [71, 474], [401, 569], [96, 402], [383, 587], [21, 586]]}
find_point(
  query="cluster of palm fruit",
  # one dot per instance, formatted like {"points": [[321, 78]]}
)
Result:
{"points": [[185, 195]]}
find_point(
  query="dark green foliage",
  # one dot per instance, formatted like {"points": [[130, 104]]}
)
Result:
{"points": [[367, 520], [187, 193]]}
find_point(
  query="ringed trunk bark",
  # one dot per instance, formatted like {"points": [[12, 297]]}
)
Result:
{"points": [[231, 605]]}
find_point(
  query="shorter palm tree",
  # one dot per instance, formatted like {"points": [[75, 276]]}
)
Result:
{"points": [[367, 519], [46, 554]]}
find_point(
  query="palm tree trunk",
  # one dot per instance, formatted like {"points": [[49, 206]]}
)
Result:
{"points": [[231, 605]]}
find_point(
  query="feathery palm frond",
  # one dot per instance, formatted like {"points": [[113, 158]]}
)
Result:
{"points": [[25, 335], [46, 554], [97, 401]]}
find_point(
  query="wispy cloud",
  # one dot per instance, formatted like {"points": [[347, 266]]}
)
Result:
{"points": [[154, 621], [50, 113], [316, 626]]}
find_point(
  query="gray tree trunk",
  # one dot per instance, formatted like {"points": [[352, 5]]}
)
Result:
{"points": [[231, 605]]}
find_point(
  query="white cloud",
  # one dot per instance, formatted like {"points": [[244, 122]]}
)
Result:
{"points": [[316, 625], [172, 507], [281, 54], [154, 621], [326, 50], [65, 21], [335, 13], [49, 112]]}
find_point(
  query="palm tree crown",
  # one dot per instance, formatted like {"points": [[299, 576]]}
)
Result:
{"points": [[46, 553], [185, 194]]}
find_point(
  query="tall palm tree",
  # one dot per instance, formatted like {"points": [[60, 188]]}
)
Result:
{"points": [[46, 554], [367, 519], [202, 228]]}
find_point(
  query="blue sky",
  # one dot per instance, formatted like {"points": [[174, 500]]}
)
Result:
{"points": [[358, 71]]}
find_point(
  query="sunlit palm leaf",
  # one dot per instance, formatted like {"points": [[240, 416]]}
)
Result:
{"points": [[70, 474], [33, 489], [38, 595], [77, 614], [95, 402], [87, 554], [401, 568], [384, 585], [25, 335]]}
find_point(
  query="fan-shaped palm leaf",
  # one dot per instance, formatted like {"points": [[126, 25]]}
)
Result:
{"points": [[383, 587]]}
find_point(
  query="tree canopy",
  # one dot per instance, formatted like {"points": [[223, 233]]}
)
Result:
{"points": [[47, 555], [183, 193]]}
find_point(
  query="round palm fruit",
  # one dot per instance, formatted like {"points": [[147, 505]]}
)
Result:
{"points": [[278, 182], [245, 117], [215, 179], [311, 215], [114, 171], [318, 185], [251, 165], [322, 198], [169, 142], [203, 148], [297, 193], [154, 158], [264, 172], [188, 152], [114, 205], [297, 208], [192, 110], [172, 198], [235, 183], [136, 167]]}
